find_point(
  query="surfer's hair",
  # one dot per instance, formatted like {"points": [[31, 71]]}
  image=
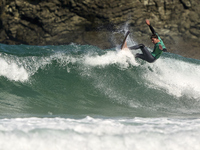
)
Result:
{"points": [[154, 36]]}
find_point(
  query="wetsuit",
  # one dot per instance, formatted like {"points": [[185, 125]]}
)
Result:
{"points": [[147, 55]]}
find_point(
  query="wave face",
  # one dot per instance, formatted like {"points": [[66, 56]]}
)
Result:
{"points": [[85, 80]]}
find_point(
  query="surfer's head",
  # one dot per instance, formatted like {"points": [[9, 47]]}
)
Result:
{"points": [[154, 39]]}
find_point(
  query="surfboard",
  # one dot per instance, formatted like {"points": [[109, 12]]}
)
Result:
{"points": [[124, 41]]}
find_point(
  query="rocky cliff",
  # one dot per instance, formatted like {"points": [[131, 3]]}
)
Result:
{"points": [[99, 22]]}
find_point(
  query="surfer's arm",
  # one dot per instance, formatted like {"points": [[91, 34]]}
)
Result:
{"points": [[163, 49], [154, 32], [150, 27]]}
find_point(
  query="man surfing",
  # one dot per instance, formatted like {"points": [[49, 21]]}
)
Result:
{"points": [[146, 55]]}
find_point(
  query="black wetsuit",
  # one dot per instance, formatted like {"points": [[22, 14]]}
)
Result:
{"points": [[146, 54]]}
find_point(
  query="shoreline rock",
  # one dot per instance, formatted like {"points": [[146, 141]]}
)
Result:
{"points": [[95, 22]]}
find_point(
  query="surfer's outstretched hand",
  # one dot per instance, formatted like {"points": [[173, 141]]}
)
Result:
{"points": [[147, 22]]}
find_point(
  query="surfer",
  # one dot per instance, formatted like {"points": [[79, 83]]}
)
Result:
{"points": [[159, 47]]}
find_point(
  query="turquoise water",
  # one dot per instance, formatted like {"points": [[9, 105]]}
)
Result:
{"points": [[80, 96]]}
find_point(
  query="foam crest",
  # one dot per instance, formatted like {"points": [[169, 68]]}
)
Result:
{"points": [[122, 57], [12, 71], [91, 133], [175, 76], [21, 68]]}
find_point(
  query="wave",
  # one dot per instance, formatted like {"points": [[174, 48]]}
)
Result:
{"points": [[85, 80]]}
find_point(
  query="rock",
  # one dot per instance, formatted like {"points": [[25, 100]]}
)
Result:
{"points": [[195, 32], [193, 16], [44, 22], [186, 3]]}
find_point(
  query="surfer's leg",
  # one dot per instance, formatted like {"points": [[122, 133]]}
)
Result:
{"points": [[147, 55], [137, 46], [141, 56]]}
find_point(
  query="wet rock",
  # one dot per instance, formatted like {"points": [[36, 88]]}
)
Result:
{"points": [[94, 22]]}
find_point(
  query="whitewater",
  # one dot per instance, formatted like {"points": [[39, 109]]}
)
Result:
{"points": [[82, 97]]}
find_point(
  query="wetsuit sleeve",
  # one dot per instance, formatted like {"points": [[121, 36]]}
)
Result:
{"points": [[152, 29]]}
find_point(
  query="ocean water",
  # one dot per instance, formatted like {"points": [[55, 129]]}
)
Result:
{"points": [[74, 97]]}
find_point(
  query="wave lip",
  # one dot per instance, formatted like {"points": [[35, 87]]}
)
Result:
{"points": [[12, 71]]}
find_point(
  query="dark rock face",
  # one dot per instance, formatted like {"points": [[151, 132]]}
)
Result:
{"points": [[98, 22]]}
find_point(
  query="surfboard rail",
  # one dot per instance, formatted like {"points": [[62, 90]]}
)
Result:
{"points": [[124, 41]]}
